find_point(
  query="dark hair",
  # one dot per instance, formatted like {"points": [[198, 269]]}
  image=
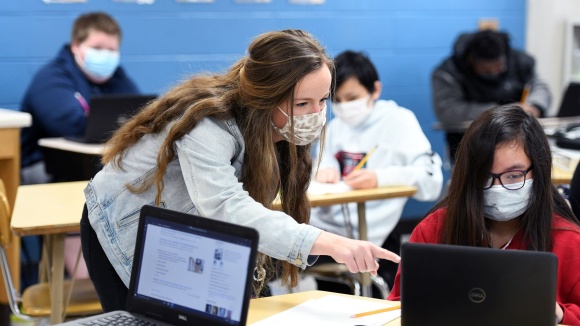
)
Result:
{"points": [[96, 21], [488, 45], [355, 64], [465, 223]]}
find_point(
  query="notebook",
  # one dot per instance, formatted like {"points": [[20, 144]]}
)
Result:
{"points": [[570, 105], [107, 113], [457, 285], [188, 270]]}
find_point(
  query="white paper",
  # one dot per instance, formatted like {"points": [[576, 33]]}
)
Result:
{"points": [[332, 310], [319, 188]]}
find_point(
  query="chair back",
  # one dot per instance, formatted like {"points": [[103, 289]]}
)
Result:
{"points": [[5, 214], [6, 240]]}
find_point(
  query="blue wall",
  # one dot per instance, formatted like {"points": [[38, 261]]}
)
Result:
{"points": [[167, 41]]}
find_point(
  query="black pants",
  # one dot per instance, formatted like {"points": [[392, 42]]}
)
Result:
{"points": [[110, 288]]}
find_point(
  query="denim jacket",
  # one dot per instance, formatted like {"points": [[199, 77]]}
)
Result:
{"points": [[203, 179]]}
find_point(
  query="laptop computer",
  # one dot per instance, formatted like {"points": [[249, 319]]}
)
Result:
{"points": [[188, 270], [107, 113], [458, 285], [570, 105]]}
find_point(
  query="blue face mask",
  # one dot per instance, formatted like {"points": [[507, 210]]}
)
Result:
{"points": [[100, 64]]}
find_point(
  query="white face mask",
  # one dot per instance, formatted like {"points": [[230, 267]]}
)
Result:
{"points": [[501, 204], [100, 64], [307, 127], [353, 113]]}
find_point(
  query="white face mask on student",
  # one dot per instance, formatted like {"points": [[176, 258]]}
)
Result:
{"points": [[502, 205], [100, 64], [353, 113], [307, 127]]}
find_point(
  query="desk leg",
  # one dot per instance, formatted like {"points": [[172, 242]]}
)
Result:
{"points": [[365, 278], [56, 247]]}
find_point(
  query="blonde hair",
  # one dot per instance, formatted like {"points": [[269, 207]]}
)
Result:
{"points": [[249, 92]]}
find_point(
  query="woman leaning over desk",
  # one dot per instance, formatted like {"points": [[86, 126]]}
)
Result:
{"points": [[221, 146], [501, 196]]}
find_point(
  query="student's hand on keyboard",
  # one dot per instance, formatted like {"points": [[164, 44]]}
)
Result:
{"points": [[358, 256]]}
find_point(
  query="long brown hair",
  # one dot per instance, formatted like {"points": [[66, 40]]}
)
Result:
{"points": [[465, 223], [249, 92]]}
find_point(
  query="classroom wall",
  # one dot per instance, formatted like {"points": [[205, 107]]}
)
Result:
{"points": [[167, 41], [547, 33]]}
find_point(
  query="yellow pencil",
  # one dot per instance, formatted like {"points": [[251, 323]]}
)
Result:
{"points": [[378, 311], [364, 160], [525, 93]]}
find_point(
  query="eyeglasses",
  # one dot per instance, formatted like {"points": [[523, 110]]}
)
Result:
{"points": [[511, 180]]}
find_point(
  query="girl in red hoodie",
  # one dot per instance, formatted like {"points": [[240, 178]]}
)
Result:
{"points": [[501, 196]]}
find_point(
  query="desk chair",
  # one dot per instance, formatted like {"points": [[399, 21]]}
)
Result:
{"points": [[35, 301], [335, 272]]}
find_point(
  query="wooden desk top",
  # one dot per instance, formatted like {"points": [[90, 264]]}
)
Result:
{"points": [[71, 146], [14, 119], [559, 176], [266, 307], [48, 208], [357, 196], [57, 207]]}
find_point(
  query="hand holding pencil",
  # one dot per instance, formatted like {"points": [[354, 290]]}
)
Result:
{"points": [[362, 178], [365, 158]]}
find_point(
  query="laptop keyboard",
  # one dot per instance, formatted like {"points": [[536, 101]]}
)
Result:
{"points": [[118, 319]]}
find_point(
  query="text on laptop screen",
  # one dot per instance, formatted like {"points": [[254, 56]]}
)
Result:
{"points": [[195, 270]]}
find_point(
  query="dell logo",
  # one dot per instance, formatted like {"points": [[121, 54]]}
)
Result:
{"points": [[182, 317], [476, 295]]}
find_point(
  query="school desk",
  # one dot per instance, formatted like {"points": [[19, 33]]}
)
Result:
{"points": [[265, 307], [10, 123], [69, 160], [560, 176], [50, 210], [360, 196]]}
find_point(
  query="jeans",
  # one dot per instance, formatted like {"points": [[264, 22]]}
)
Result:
{"points": [[111, 290]]}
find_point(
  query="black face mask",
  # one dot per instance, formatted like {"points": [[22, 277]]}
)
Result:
{"points": [[491, 78]]}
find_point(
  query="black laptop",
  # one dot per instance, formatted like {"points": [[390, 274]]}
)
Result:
{"points": [[188, 270], [107, 113], [458, 285]]}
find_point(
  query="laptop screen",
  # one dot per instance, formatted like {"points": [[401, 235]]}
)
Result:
{"points": [[193, 268]]}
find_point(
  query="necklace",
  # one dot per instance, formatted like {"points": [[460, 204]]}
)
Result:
{"points": [[508, 243], [505, 245]]}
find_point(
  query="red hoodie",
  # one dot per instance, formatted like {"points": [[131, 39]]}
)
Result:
{"points": [[566, 239]]}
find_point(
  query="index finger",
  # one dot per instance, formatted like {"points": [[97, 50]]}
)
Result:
{"points": [[385, 254]]}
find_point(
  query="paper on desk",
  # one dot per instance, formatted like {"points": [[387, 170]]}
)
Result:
{"points": [[319, 188], [332, 310]]}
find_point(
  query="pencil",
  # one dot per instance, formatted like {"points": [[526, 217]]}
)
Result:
{"points": [[378, 311], [364, 159], [525, 93]]}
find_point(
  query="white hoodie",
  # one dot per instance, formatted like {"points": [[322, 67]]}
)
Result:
{"points": [[403, 157]]}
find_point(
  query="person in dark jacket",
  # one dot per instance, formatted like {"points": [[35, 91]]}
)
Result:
{"points": [[58, 96], [483, 72]]}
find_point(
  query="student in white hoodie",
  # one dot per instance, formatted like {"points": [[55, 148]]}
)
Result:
{"points": [[402, 156]]}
